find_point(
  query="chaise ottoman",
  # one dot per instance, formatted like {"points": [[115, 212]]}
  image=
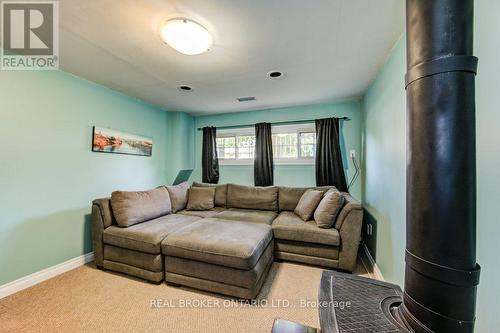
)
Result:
{"points": [[221, 256]]}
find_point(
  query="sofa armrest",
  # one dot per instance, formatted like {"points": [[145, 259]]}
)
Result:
{"points": [[349, 223], [102, 218]]}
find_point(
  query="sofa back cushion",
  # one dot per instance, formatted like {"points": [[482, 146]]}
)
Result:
{"points": [[201, 198], [130, 208], [178, 196], [289, 196], [252, 197], [220, 192]]}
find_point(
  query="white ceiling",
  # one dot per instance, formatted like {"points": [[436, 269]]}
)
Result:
{"points": [[330, 50]]}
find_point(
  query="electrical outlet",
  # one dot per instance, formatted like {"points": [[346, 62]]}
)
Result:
{"points": [[369, 230], [352, 153]]}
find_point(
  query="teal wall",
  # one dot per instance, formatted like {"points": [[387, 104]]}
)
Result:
{"points": [[384, 160], [293, 175], [487, 48], [49, 176], [180, 136]]}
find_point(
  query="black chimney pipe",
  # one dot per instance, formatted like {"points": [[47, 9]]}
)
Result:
{"points": [[441, 270]]}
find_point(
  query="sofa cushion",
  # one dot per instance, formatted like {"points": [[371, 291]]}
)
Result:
{"points": [[328, 208], [307, 249], [247, 215], [130, 208], [289, 226], [220, 192], [350, 205], [308, 203], [252, 197], [178, 196], [220, 242], [289, 196], [147, 236], [151, 262], [202, 213], [200, 198], [227, 275]]}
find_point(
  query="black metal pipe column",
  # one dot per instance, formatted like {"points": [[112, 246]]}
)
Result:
{"points": [[441, 270]]}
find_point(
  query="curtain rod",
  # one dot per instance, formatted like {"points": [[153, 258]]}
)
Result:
{"points": [[275, 123]]}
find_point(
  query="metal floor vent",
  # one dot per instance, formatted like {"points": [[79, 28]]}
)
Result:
{"points": [[353, 304]]}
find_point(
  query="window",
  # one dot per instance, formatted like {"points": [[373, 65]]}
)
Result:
{"points": [[236, 146], [245, 146], [307, 144], [226, 148], [285, 145], [292, 144]]}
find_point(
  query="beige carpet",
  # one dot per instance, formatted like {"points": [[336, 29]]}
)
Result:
{"points": [[90, 300]]}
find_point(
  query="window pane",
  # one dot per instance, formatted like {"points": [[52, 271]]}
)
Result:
{"points": [[226, 148], [245, 146], [307, 138], [307, 151], [285, 145], [307, 145]]}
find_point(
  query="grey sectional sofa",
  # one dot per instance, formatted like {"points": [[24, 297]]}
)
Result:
{"points": [[227, 249]]}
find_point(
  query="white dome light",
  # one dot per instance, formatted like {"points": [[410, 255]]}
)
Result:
{"points": [[186, 36]]}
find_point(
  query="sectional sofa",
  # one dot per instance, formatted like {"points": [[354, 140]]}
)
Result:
{"points": [[225, 242]]}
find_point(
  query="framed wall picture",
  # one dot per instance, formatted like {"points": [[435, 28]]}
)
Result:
{"points": [[105, 140]]}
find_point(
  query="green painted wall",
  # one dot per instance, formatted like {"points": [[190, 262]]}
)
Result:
{"points": [[384, 162], [487, 48], [180, 136], [49, 176], [292, 175], [384, 136]]}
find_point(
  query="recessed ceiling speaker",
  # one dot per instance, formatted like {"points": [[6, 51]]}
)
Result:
{"points": [[185, 88], [275, 74]]}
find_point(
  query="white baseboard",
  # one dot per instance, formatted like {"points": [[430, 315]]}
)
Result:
{"points": [[45, 274], [373, 264]]}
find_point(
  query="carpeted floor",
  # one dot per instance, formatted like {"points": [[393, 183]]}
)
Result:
{"points": [[90, 300]]}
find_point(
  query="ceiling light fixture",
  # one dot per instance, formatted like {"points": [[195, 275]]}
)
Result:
{"points": [[186, 36]]}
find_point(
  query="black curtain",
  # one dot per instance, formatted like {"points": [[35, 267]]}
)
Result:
{"points": [[263, 161], [209, 159], [329, 168]]}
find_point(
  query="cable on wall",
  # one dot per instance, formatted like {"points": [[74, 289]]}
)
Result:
{"points": [[356, 173]]}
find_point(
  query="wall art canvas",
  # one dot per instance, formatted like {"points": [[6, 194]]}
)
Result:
{"points": [[105, 140]]}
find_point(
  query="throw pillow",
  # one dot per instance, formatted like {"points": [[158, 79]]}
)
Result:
{"points": [[220, 192], [308, 203], [178, 196], [328, 209], [201, 198]]}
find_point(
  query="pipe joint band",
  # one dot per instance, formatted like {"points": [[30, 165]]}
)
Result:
{"points": [[455, 63], [463, 278]]}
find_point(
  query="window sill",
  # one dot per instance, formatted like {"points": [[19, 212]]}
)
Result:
{"points": [[278, 162]]}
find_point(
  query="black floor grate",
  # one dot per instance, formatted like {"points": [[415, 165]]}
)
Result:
{"points": [[357, 304]]}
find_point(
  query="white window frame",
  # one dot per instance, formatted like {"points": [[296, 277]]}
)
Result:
{"points": [[234, 132], [295, 128]]}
